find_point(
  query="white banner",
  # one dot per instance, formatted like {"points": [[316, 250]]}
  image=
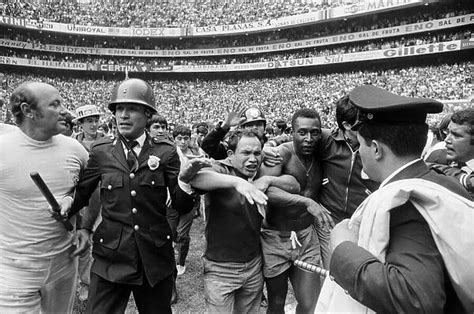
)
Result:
{"points": [[361, 7], [364, 7], [401, 52], [332, 59], [45, 63], [307, 43], [93, 30]]}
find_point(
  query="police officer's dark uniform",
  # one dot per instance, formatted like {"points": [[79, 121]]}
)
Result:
{"points": [[132, 246], [413, 278]]}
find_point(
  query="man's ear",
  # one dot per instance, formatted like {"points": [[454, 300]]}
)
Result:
{"points": [[378, 149], [27, 111], [230, 153]]}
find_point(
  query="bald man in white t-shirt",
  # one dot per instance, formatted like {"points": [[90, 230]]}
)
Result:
{"points": [[38, 261]]}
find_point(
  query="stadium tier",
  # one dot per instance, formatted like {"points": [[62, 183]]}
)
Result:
{"points": [[307, 54]]}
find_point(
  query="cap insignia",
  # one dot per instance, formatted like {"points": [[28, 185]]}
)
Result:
{"points": [[253, 113]]}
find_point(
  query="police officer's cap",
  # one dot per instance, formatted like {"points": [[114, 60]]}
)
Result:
{"points": [[378, 106]]}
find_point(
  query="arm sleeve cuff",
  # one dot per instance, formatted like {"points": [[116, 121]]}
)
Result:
{"points": [[346, 262], [186, 187]]}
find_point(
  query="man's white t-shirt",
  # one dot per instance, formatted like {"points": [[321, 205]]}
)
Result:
{"points": [[27, 230]]}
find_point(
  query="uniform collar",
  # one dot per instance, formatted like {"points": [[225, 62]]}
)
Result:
{"points": [[338, 135], [141, 141], [399, 170]]}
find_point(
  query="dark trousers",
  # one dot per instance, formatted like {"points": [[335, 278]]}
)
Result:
{"points": [[110, 297], [172, 216], [182, 236], [180, 227]]}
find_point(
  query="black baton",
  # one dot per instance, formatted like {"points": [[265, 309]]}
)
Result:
{"points": [[51, 200]]}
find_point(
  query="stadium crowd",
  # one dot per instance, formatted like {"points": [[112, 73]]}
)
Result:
{"points": [[358, 24], [188, 101], [169, 14]]}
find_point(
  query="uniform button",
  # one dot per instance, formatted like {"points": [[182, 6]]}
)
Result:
{"points": [[133, 193], [101, 240], [132, 175], [346, 292], [168, 237], [109, 187], [136, 227], [134, 210], [152, 182]]}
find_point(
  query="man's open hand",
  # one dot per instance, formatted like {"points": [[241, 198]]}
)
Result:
{"points": [[234, 116], [321, 214], [251, 192], [192, 167]]}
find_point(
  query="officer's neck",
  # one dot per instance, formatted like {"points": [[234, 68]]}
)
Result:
{"points": [[133, 138]]}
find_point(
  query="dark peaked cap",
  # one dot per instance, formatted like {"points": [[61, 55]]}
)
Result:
{"points": [[377, 105]]}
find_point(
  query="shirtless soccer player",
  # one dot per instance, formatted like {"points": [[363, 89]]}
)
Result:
{"points": [[288, 233]]}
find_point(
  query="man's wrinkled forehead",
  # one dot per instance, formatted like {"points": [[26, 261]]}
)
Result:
{"points": [[459, 129], [249, 143]]}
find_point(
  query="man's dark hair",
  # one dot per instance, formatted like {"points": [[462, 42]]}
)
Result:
{"points": [[441, 129], [69, 119], [305, 113], [407, 139], [201, 124], [235, 136], [156, 118], [465, 117], [345, 111], [202, 128], [181, 130], [20, 95], [269, 130], [105, 127], [281, 124]]}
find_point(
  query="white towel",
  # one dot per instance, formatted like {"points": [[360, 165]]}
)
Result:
{"points": [[448, 216]]}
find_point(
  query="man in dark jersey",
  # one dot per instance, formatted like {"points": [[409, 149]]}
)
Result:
{"points": [[233, 259]]}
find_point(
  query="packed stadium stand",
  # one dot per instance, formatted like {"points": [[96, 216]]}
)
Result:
{"points": [[203, 56]]}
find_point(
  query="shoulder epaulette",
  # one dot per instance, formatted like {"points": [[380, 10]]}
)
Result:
{"points": [[162, 140]]}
